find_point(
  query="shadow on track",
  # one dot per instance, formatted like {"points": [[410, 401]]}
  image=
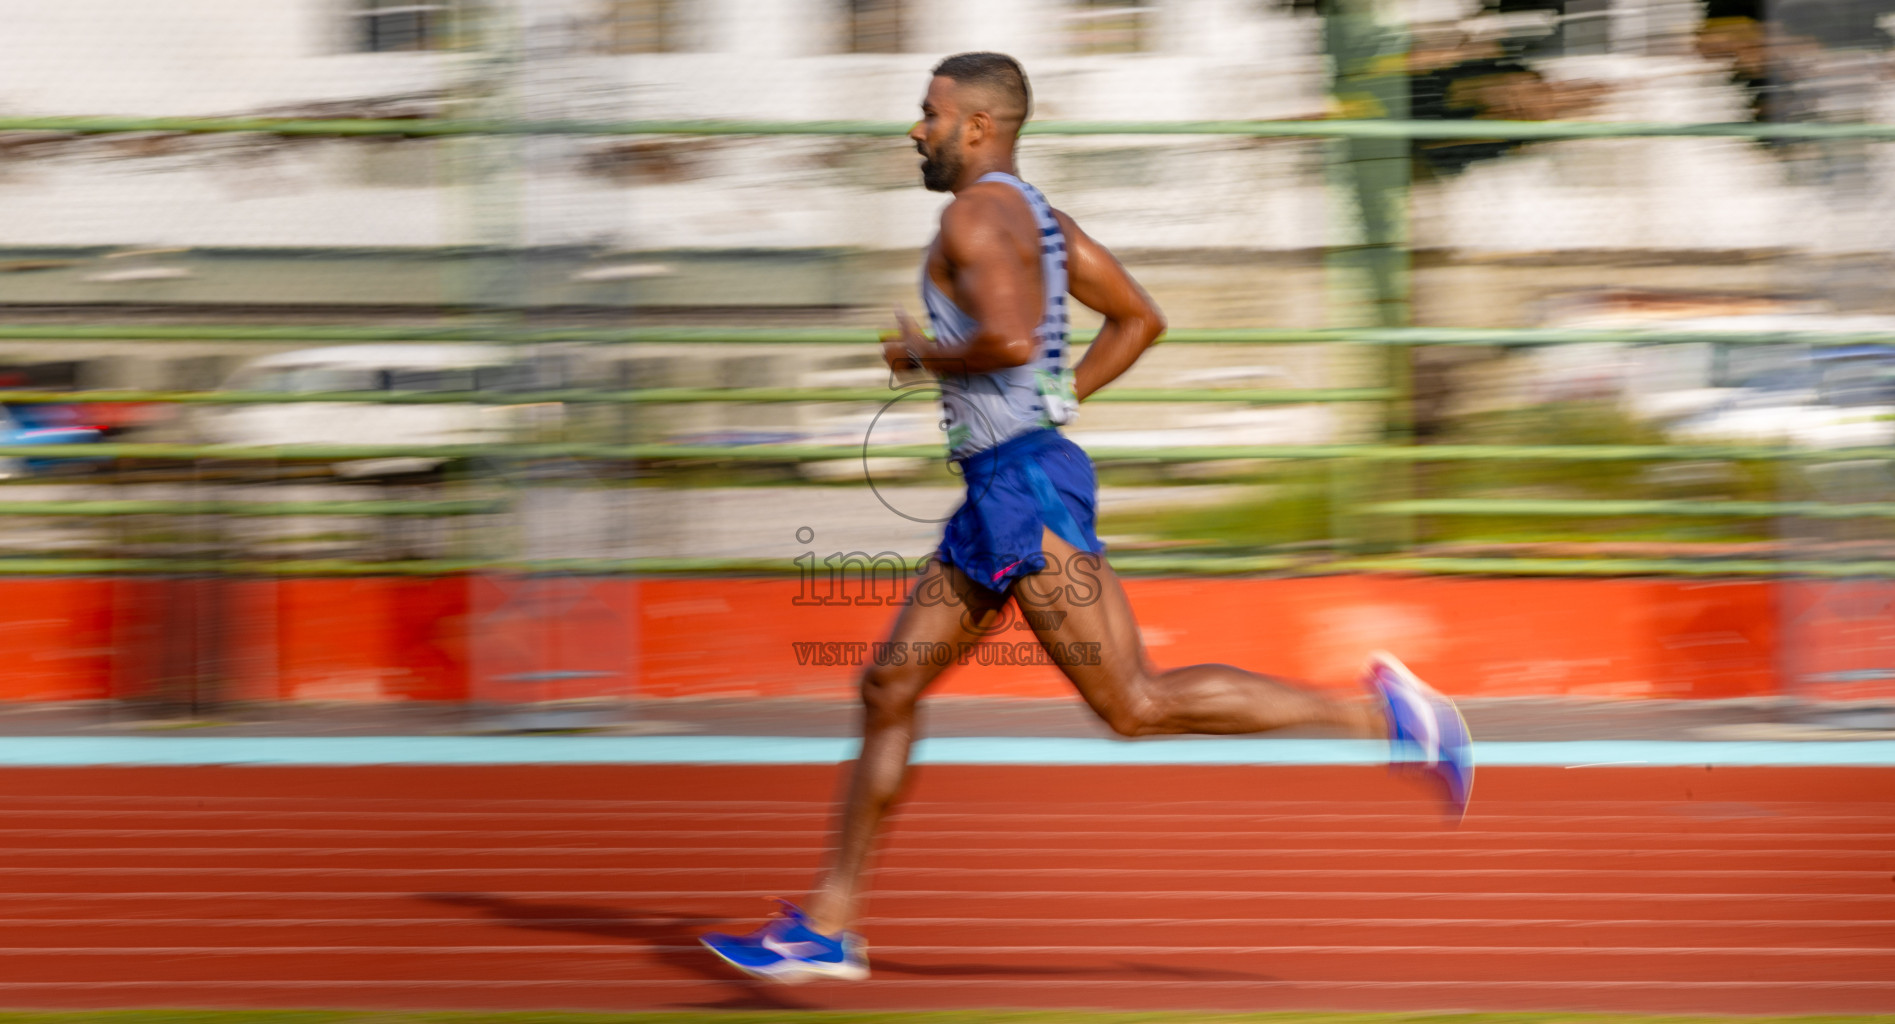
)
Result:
{"points": [[1122, 970], [660, 929]]}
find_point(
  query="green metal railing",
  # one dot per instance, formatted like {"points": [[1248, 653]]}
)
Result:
{"points": [[663, 396], [490, 334], [1606, 508], [88, 509], [1131, 564], [1336, 129], [795, 453]]}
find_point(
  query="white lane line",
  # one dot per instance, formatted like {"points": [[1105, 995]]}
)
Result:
{"points": [[910, 851], [1878, 874], [887, 980], [479, 919], [85, 751], [633, 948]]}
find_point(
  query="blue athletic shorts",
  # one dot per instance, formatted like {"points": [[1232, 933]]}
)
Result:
{"points": [[1036, 481]]}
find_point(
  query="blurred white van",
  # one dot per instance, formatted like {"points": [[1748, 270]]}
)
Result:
{"points": [[450, 368], [1743, 391]]}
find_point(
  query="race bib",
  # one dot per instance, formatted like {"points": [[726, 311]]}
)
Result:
{"points": [[1057, 399]]}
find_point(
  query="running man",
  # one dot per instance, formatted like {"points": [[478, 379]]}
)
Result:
{"points": [[995, 282]]}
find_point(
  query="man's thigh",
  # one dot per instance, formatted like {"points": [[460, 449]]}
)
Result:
{"points": [[1081, 615], [945, 611]]}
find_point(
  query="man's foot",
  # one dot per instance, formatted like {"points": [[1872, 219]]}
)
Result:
{"points": [[787, 950], [1425, 730]]}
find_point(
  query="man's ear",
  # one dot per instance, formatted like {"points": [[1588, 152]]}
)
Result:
{"points": [[980, 126]]}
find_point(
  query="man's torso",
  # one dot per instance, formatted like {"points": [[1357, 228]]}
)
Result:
{"points": [[983, 410]]}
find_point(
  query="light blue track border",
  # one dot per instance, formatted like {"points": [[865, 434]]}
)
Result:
{"points": [[82, 751]]}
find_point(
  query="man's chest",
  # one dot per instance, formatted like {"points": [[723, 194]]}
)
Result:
{"points": [[937, 270]]}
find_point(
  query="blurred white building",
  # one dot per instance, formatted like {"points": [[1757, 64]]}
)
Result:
{"points": [[868, 59]]}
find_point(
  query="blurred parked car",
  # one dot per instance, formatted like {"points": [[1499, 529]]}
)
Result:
{"points": [[14, 432], [1813, 398], [110, 419], [449, 369]]}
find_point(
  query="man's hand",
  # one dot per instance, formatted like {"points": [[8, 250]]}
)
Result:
{"points": [[902, 348]]}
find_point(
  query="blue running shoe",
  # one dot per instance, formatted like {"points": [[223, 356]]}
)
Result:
{"points": [[1425, 730], [787, 950]]}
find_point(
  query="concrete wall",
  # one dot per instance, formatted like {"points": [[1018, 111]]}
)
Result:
{"points": [[776, 59]]}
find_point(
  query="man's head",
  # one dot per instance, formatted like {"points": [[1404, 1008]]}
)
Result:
{"points": [[972, 112]]}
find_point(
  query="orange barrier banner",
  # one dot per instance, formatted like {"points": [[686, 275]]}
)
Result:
{"points": [[1473, 637], [498, 639]]}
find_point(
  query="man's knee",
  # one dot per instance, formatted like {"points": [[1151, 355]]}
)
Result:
{"points": [[1133, 715], [891, 691]]}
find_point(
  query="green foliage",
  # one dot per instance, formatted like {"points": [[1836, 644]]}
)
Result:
{"points": [[1310, 505], [1589, 423], [1290, 506]]}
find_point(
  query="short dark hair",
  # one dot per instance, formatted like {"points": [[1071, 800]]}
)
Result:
{"points": [[996, 72]]}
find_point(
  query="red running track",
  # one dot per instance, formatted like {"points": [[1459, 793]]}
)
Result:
{"points": [[562, 887]]}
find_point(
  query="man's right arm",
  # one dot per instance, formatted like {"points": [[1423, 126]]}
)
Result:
{"points": [[1132, 321], [985, 260]]}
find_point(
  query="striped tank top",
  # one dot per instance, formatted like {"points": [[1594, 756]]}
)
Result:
{"points": [[982, 410]]}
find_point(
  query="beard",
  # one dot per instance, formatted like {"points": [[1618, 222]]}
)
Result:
{"points": [[941, 168]]}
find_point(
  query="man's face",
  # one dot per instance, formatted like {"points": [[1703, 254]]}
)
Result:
{"points": [[937, 137]]}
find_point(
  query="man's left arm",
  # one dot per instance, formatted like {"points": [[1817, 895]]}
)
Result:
{"points": [[1132, 320]]}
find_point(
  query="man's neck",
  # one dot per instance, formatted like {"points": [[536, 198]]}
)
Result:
{"points": [[974, 174]]}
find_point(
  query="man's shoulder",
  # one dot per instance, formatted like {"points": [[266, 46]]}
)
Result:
{"points": [[981, 199], [985, 206]]}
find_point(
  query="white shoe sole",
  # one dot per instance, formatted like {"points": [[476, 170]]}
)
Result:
{"points": [[796, 972], [801, 973]]}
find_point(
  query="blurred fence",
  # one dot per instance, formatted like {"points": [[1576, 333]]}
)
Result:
{"points": [[1377, 501], [1355, 496]]}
